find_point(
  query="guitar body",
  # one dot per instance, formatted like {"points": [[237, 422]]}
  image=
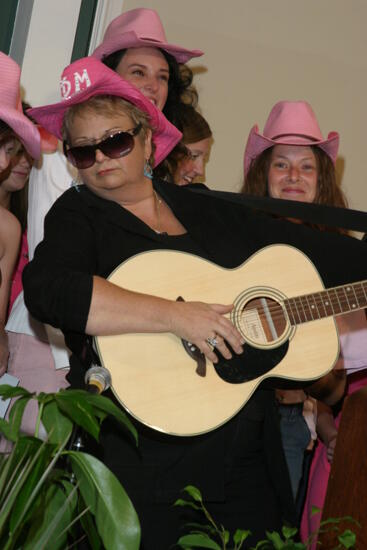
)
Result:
{"points": [[155, 378]]}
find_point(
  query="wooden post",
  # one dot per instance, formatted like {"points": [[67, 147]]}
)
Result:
{"points": [[347, 487]]}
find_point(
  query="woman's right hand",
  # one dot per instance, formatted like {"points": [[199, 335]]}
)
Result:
{"points": [[197, 322]]}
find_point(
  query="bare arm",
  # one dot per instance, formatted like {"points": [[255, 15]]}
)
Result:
{"points": [[114, 310], [10, 233], [326, 429], [330, 388]]}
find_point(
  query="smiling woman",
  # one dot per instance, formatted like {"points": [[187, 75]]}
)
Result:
{"points": [[186, 164], [293, 173], [148, 70], [196, 142], [291, 159]]}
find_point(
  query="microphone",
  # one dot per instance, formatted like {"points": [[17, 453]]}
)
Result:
{"points": [[97, 379]]}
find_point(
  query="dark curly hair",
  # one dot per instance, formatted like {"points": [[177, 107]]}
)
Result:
{"points": [[180, 89], [180, 94]]}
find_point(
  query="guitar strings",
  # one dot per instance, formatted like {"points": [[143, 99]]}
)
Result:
{"points": [[304, 303], [278, 313], [304, 310]]}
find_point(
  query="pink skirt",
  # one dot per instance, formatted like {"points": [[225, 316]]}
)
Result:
{"points": [[32, 362]]}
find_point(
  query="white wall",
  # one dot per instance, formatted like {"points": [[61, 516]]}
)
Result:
{"points": [[257, 52], [48, 49]]}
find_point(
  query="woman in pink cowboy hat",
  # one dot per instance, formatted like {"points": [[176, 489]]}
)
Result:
{"points": [[13, 123], [114, 135], [145, 58], [16, 131], [291, 160], [136, 47]]}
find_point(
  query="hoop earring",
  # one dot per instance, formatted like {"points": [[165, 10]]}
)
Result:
{"points": [[148, 170]]}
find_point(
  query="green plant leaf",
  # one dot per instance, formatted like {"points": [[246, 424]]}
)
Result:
{"points": [[198, 541], [7, 391], [116, 519], [276, 539], [181, 502], [40, 460], [289, 532], [12, 486], [11, 428], [58, 426], [329, 521], [102, 404], [347, 539], [15, 417], [44, 398], [89, 527], [199, 527], [193, 492], [241, 535], [54, 510], [315, 510], [18, 470], [79, 410], [5, 428]]}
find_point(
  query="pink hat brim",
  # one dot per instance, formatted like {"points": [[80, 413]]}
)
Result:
{"points": [[165, 135], [24, 129], [257, 144], [132, 40]]}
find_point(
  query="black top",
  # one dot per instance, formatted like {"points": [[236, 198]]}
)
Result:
{"points": [[242, 461]]}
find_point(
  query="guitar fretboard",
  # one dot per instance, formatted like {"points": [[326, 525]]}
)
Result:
{"points": [[333, 301]]}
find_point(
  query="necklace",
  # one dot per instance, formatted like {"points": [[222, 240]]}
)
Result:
{"points": [[158, 202]]}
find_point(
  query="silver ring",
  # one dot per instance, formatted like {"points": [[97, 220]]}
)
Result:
{"points": [[212, 342]]}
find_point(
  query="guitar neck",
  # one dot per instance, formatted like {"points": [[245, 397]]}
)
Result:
{"points": [[333, 301]]}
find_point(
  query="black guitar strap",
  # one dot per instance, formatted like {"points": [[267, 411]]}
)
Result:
{"points": [[331, 216]]}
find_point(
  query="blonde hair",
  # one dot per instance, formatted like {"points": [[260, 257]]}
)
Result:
{"points": [[108, 106]]}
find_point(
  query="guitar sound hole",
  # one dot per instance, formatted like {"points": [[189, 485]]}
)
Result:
{"points": [[261, 321]]}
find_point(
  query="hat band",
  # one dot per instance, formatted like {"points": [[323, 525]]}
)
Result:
{"points": [[301, 136]]}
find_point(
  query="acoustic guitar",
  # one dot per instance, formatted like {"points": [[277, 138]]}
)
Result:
{"points": [[280, 307]]}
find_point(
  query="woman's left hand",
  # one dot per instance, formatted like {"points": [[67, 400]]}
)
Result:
{"points": [[331, 448]]}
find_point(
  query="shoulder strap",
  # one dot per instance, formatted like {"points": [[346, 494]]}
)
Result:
{"points": [[332, 216]]}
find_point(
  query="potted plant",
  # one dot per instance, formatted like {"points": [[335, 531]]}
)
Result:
{"points": [[41, 499], [216, 537]]}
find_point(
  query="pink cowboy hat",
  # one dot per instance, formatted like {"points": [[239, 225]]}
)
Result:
{"points": [[87, 78], [289, 123], [139, 28], [11, 109]]}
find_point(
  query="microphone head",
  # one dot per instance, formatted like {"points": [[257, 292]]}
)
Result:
{"points": [[98, 376]]}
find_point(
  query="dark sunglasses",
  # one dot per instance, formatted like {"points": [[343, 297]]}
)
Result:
{"points": [[115, 146]]}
